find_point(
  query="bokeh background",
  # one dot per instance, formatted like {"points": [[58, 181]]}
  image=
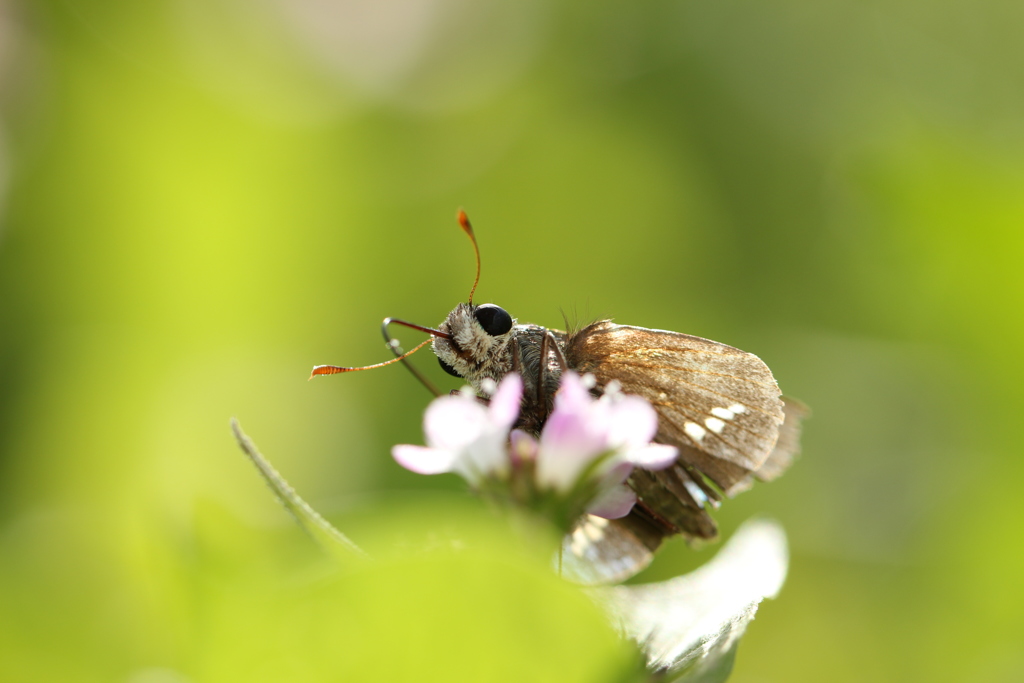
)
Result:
{"points": [[201, 199]]}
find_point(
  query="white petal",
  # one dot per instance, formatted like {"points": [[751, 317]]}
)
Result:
{"points": [[632, 421], [613, 503], [452, 422], [423, 460], [485, 457], [697, 618]]}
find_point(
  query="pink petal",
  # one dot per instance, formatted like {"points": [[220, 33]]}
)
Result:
{"points": [[654, 456], [632, 421], [613, 503], [568, 444], [423, 460], [574, 434], [504, 407], [452, 422], [572, 394]]}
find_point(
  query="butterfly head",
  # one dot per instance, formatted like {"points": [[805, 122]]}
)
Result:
{"points": [[480, 341]]}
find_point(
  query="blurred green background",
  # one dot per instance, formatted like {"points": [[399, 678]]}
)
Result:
{"points": [[201, 199]]}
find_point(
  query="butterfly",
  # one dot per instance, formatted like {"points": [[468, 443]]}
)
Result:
{"points": [[719, 406]]}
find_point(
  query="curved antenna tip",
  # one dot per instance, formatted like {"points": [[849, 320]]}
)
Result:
{"points": [[468, 229], [464, 221], [335, 369], [326, 370]]}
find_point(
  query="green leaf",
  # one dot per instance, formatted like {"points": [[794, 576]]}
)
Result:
{"points": [[487, 608]]}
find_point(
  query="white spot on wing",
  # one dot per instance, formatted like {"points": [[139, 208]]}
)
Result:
{"points": [[715, 425], [738, 408], [723, 413], [593, 532], [699, 496], [694, 431], [579, 543], [590, 530]]}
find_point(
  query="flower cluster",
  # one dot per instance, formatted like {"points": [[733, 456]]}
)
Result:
{"points": [[687, 627], [580, 462]]}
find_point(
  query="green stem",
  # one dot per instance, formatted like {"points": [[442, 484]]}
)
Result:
{"points": [[332, 540]]}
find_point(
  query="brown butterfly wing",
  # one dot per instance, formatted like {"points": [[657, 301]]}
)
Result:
{"points": [[786, 448], [718, 405], [608, 551]]}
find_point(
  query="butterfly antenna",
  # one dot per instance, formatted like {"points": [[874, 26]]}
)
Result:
{"points": [[336, 369], [468, 229]]}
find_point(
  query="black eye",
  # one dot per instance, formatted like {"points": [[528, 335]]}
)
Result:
{"points": [[494, 319], [447, 368]]}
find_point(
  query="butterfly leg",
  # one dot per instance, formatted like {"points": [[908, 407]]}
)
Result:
{"points": [[516, 368], [557, 350], [542, 366], [548, 344], [393, 346]]}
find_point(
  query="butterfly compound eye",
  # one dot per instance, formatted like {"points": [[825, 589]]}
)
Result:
{"points": [[447, 368], [494, 319]]}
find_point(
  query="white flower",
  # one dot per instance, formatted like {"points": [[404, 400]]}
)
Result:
{"points": [[464, 436]]}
